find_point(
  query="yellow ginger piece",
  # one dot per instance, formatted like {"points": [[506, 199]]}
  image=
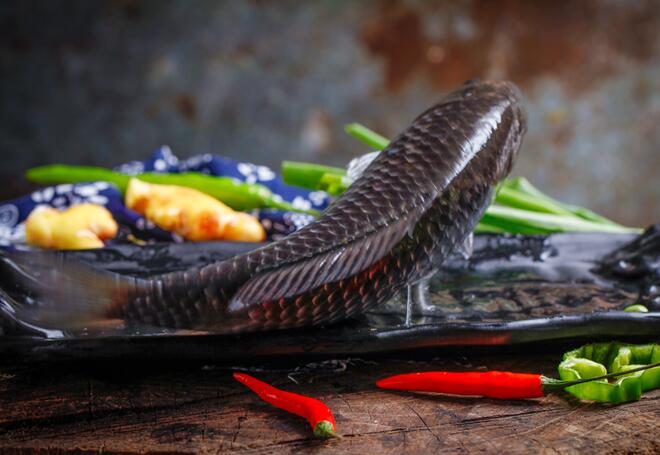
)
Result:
{"points": [[191, 214], [79, 227]]}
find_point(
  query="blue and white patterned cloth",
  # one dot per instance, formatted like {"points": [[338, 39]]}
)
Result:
{"points": [[277, 223]]}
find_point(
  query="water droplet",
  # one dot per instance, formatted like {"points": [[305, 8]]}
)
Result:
{"points": [[624, 266]]}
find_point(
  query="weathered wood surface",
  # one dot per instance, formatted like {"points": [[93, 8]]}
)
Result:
{"points": [[120, 408]]}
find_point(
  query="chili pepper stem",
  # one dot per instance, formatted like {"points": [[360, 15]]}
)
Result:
{"points": [[325, 430]]}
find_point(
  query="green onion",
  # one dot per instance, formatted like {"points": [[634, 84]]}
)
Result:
{"points": [[519, 221], [523, 185], [307, 175], [334, 184], [512, 198], [518, 207], [369, 137], [485, 228]]}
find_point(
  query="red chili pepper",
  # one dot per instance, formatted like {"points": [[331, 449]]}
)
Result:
{"points": [[316, 412], [492, 384]]}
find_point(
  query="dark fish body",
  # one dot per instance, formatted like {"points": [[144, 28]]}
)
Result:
{"points": [[419, 199]]}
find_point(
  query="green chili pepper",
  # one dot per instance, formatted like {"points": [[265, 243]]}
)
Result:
{"points": [[61, 173], [597, 359], [237, 195]]}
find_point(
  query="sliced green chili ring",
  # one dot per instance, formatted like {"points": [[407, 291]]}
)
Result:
{"points": [[597, 359], [636, 308]]}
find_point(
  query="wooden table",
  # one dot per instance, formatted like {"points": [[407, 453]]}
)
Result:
{"points": [[194, 408]]}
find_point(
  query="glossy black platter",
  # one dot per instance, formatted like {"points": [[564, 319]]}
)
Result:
{"points": [[513, 290]]}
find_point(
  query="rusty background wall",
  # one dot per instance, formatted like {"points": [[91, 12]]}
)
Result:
{"points": [[104, 82]]}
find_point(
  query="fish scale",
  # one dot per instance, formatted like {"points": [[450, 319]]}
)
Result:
{"points": [[394, 225]]}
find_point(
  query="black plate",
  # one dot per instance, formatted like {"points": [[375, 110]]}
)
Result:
{"points": [[513, 290]]}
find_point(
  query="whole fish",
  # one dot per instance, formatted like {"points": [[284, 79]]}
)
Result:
{"points": [[410, 208]]}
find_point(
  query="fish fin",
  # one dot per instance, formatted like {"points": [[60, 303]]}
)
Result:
{"points": [[466, 248], [337, 264], [358, 165], [64, 294]]}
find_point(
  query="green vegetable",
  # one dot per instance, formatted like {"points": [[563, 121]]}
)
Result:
{"points": [[637, 308], [485, 228], [597, 359], [237, 195], [334, 184], [523, 186], [519, 221], [61, 173], [509, 197], [308, 175], [520, 207], [369, 137]]}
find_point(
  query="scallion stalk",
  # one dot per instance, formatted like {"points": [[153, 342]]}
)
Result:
{"points": [[519, 221], [308, 175], [519, 207], [367, 136]]}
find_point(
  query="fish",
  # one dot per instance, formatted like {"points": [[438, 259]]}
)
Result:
{"points": [[413, 205]]}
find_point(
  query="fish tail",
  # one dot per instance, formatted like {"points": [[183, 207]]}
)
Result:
{"points": [[62, 294]]}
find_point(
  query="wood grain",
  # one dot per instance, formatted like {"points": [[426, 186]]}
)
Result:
{"points": [[169, 408]]}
